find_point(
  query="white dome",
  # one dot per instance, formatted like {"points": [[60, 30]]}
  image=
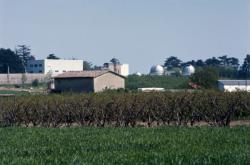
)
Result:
{"points": [[188, 70], [138, 74], [157, 70]]}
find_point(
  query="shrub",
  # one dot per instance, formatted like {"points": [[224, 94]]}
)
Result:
{"points": [[35, 83]]}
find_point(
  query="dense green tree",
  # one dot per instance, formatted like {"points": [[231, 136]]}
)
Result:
{"points": [[245, 68], [227, 72], [52, 56], [192, 62], [200, 63], [87, 65], [212, 62], [233, 62], [172, 62], [229, 61], [223, 60], [9, 59], [206, 77]]}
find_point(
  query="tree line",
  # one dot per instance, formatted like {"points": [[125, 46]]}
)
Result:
{"points": [[227, 67]]}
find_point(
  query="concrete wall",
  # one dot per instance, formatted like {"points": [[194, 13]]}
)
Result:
{"points": [[17, 78], [74, 85], [108, 80]]}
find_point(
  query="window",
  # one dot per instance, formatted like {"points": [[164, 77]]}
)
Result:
{"points": [[40, 65], [35, 65], [56, 71], [40, 71]]}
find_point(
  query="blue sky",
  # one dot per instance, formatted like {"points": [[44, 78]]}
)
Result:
{"points": [[138, 32]]}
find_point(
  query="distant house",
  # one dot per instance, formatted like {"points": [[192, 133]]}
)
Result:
{"points": [[88, 81], [234, 85], [54, 66]]}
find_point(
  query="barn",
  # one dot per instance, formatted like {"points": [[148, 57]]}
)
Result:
{"points": [[234, 85], [88, 81]]}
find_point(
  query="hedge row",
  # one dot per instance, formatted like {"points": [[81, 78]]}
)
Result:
{"points": [[125, 109]]}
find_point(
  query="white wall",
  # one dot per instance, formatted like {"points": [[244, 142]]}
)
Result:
{"points": [[54, 67], [124, 69], [233, 88], [59, 66]]}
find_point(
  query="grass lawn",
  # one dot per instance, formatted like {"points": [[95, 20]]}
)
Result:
{"points": [[90, 145]]}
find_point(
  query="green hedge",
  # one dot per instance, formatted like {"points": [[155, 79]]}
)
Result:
{"points": [[125, 109]]}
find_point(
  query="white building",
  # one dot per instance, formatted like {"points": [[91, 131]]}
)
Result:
{"points": [[122, 69], [153, 89], [54, 66], [188, 70], [234, 85], [157, 70]]}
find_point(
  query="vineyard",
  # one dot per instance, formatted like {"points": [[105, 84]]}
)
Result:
{"points": [[125, 109]]}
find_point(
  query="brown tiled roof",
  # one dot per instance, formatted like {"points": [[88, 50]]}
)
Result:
{"points": [[84, 74]]}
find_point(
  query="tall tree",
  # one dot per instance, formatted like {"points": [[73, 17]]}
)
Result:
{"points": [[24, 53], [172, 62], [10, 61], [223, 60], [52, 56], [115, 61]]}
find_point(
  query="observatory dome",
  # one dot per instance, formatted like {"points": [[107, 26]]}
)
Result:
{"points": [[188, 70], [138, 74], [157, 70]]}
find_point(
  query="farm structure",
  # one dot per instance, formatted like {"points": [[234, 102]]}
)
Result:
{"points": [[88, 81], [54, 66], [234, 85]]}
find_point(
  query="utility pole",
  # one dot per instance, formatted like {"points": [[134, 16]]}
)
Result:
{"points": [[8, 74]]}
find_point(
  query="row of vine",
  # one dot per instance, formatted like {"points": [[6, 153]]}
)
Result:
{"points": [[125, 109]]}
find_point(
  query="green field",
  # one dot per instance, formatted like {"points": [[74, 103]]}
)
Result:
{"points": [[168, 82], [91, 145], [13, 92]]}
